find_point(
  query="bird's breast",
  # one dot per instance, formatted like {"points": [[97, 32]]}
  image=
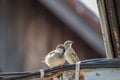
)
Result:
{"points": [[54, 60]]}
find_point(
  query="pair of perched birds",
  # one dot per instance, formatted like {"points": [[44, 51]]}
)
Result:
{"points": [[62, 53]]}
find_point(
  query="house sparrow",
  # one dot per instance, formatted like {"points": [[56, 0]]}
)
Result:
{"points": [[70, 55], [56, 57]]}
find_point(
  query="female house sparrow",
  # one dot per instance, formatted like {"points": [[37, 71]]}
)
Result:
{"points": [[56, 57], [70, 55]]}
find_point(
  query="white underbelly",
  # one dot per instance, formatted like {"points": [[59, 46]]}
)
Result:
{"points": [[53, 62]]}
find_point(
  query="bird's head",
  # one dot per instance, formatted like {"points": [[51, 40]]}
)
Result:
{"points": [[60, 48], [68, 43]]}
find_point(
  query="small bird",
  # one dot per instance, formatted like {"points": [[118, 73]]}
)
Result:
{"points": [[56, 57], [70, 55]]}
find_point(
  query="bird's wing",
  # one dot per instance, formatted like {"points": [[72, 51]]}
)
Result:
{"points": [[74, 56], [51, 52]]}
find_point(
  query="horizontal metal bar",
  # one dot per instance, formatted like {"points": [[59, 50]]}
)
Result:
{"points": [[105, 64], [13, 73]]}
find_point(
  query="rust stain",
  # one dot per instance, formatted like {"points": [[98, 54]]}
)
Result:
{"points": [[82, 76], [69, 79], [89, 70], [117, 43]]}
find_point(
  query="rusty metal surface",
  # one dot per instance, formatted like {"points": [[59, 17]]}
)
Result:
{"points": [[105, 29], [95, 74], [101, 68], [113, 24], [110, 26], [100, 74]]}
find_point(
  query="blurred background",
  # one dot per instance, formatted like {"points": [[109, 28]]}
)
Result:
{"points": [[29, 29]]}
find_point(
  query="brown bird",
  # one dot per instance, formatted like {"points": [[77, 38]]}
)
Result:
{"points": [[56, 57], [70, 55]]}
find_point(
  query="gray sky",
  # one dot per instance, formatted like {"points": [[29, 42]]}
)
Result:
{"points": [[92, 5]]}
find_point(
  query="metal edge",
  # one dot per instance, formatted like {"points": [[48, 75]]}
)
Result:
{"points": [[105, 29]]}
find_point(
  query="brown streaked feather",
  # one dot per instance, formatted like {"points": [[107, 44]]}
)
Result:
{"points": [[75, 55], [51, 52]]}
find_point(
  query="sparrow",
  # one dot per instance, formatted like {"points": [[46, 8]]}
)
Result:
{"points": [[70, 55], [56, 57]]}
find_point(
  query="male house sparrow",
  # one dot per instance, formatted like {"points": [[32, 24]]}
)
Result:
{"points": [[56, 57], [70, 55]]}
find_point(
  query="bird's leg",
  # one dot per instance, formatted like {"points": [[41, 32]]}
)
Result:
{"points": [[59, 74], [51, 77], [56, 76]]}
